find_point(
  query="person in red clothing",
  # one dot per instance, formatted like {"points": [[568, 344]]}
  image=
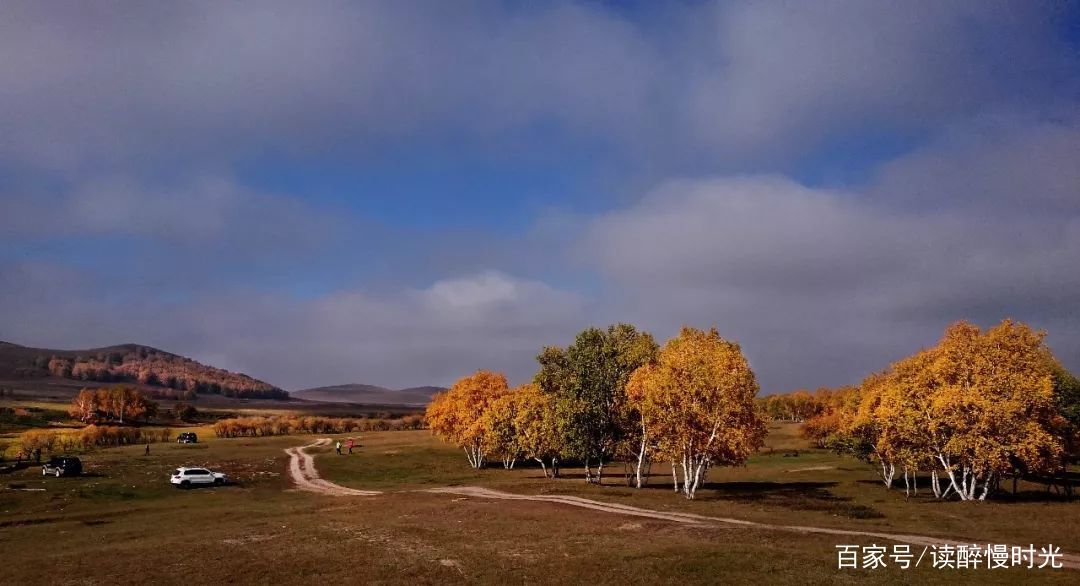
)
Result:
{"points": [[350, 445]]}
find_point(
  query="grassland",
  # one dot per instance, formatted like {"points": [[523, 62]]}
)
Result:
{"points": [[123, 523]]}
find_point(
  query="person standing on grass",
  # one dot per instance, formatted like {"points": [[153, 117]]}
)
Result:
{"points": [[147, 449], [350, 445], [339, 447]]}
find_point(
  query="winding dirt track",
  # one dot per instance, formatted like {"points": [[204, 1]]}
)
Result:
{"points": [[303, 472], [302, 469]]}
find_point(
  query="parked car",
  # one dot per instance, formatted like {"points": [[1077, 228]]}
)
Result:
{"points": [[187, 437], [189, 477], [62, 466]]}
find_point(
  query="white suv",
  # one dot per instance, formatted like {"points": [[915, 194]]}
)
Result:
{"points": [[189, 477]]}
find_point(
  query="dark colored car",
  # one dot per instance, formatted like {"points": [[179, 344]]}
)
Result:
{"points": [[187, 438], [62, 466]]}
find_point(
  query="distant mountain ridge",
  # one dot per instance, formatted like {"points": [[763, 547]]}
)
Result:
{"points": [[133, 363], [369, 394]]}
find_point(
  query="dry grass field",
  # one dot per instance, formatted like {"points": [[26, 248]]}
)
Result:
{"points": [[123, 523]]}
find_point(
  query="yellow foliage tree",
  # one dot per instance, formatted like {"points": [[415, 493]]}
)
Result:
{"points": [[975, 407], [697, 405], [457, 415], [500, 425], [900, 407], [537, 424], [992, 405]]}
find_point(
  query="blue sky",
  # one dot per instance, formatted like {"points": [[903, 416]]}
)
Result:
{"points": [[400, 193]]}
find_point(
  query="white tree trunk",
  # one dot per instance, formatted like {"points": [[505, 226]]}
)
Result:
{"points": [[694, 468], [986, 487], [888, 472], [968, 483], [475, 454], [642, 450]]}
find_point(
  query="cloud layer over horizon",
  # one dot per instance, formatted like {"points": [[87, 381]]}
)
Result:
{"points": [[399, 194]]}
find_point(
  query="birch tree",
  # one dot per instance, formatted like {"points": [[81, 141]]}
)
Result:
{"points": [[975, 407], [538, 427], [697, 403], [992, 405], [457, 414], [85, 406], [504, 439]]}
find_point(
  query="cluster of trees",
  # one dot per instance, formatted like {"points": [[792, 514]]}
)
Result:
{"points": [[114, 403], [613, 394], [802, 405], [978, 407], [268, 426], [153, 367], [69, 441], [819, 411]]}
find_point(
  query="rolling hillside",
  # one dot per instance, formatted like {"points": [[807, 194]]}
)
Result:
{"points": [[369, 394], [132, 363]]}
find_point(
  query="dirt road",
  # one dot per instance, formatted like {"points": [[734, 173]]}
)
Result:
{"points": [[302, 470], [1067, 560]]}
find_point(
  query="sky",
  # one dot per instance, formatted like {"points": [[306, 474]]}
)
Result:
{"points": [[400, 193]]}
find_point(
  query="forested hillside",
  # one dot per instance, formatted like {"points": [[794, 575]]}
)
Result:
{"points": [[132, 363]]}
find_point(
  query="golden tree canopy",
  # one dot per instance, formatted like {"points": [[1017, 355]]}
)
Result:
{"points": [[457, 415], [697, 402], [993, 398]]}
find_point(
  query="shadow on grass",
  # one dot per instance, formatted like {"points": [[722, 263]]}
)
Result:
{"points": [[225, 484], [797, 496], [1053, 493]]}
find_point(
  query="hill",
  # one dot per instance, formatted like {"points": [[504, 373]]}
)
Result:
{"points": [[132, 363], [369, 394]]}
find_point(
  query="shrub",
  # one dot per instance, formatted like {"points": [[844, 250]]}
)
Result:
{"points": [[270, 426], [91, 436]]}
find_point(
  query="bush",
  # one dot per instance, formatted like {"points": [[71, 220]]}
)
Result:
{"points": [[91, 436], [269, 426]]}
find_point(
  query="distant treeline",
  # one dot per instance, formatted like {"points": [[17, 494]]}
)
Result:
{"points": [[182, 376], [268, 426], [802, 405]]}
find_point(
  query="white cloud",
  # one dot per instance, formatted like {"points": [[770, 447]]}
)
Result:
{"points": [[199, 212], [140, 83], [997, 164], [85, 86], [781, 76], [824, 286], [821, 284], [395, 338]]}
